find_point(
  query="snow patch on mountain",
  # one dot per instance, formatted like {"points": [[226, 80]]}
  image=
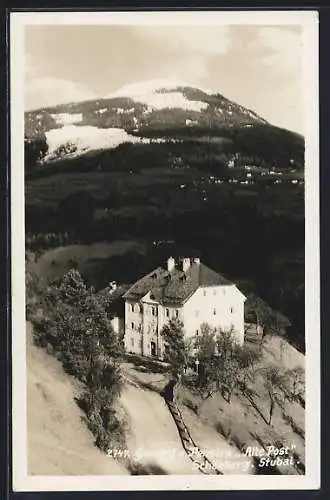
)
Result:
{"points": [[251, 114], [147, 110], [86, 138], [101, 111], [72, 140], [67, 118], [159, 94], [171, 100], [147, 86], [191, 122]]}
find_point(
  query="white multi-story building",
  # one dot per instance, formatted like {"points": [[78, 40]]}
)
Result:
{"points": [[187, 290]]}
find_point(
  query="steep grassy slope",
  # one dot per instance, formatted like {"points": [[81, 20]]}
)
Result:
{"points": [[58, 440], [224, 431], [243, 421]]}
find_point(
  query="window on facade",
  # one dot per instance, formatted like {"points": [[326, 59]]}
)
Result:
{"points": [[141, 308], [132, 307], [214, 292], [167, 313], [132, 342], [204, 293], [177, 313], [231, 309], [197, 332], [153, 348], [154, 311], [214, 312], [223, 291], [132, 326], [196, 313]]}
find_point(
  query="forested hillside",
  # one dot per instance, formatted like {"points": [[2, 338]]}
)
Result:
{"points": [[211, 179]]}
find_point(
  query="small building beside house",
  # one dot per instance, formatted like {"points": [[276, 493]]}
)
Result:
{"points": [[187, 290], [112, 297]]}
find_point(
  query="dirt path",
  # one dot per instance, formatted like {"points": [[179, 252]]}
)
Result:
{"points": [[153, 440], [193, 451]]}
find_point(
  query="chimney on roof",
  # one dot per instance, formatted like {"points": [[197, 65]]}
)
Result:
{"points": [[170, 264], [185, 264], [197, 260]]}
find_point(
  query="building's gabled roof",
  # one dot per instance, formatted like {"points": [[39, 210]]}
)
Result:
{"points": [[175, 287]]}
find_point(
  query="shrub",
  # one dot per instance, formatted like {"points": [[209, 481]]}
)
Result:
{"points": [[298, 430], [79, 331]]}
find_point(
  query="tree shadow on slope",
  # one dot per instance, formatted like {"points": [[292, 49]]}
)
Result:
{"points": [[143, 363], [259, 469], [137, 469], [148, 386]]}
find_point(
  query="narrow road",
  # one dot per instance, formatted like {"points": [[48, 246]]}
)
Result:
{"points": [[189, 445]]}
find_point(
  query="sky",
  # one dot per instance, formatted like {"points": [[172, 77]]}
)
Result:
{"points": [[259, 67]]}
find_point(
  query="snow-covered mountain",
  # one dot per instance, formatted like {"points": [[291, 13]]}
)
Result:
{"points": [[161, 94], [130, 113], [146, 86]]}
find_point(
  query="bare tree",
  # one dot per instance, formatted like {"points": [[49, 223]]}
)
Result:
{"points": [[225, 365], [297, 381], [275, 382], [259, 312]]}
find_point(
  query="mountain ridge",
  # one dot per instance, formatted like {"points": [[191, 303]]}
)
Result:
{"points": [[146, 97], [156, 111]]}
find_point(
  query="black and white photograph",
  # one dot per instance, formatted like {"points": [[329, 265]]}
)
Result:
{"points": [[165, 280]]}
